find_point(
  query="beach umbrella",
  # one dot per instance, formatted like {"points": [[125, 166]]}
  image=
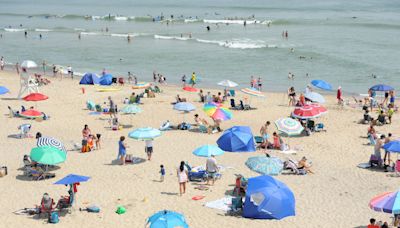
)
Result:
{"points": [[48, 155], [217, 111], [314, 97], [72, 179], [381, 87], [253, 92], [289, 126], [167, 219], [268, 198], [392, 146], [184, 106], [388, 202], [306, 112], [227, 83], [49, 141], [265, 165], [141, 85], [321, 109], [28, 64], [146, 133], [35, 97], [3, 90], [237, 139], [31, 114], [190, 89], [321, 84], [131, 109], [208, 150]]}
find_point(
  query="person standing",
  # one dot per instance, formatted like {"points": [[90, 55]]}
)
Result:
{"points": [[130, 77], [2, 63], [70, 72], [211, 169], [122, 150], [17, 67], [193, 79], [264, 132], [162, 173], [113, 108], [259, 82], [182, 174], [339, 95], [387, 153], [149, 149], [184, 80], [44, 67], [377, 148]]}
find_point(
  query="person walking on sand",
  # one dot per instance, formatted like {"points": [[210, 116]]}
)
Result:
{"points": [[184, 80], [162, 173], [182, 174], [211, 169], [122, 150], [193, 79], [70, 72], [339, 95], [113, 108], [149, 149]]}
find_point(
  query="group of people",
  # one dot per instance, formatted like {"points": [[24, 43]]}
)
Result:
{"points": [[157, 77], [90, 141], [256, 83], [192, 81], [217, 98]]}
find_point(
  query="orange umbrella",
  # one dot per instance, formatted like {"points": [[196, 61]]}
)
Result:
{"points": [[35, 97]]}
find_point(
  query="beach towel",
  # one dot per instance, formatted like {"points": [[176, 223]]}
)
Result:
{"points": [[223, 204]]}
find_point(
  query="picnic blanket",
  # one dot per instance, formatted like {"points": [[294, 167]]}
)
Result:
{"points": [[223, 204]]}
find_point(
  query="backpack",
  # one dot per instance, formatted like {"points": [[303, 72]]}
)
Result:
{"points": [[54, 218]]}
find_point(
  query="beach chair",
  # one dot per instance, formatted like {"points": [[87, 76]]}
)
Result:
{"points": [[66, 202], [37, 173], [258, 139], [98, 108], [232, 92], [90, 105], [319, 127]]}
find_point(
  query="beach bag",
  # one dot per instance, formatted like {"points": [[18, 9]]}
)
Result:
{"points": [[54, 218], [93, 209], [120, 210]]}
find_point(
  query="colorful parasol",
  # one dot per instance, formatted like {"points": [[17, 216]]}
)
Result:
{"points": [[306, 112], [217, 111], [388, 202], [35, 97], [289, 126], [252, 92]]}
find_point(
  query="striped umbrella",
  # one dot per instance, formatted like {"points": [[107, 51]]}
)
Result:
{"points": [[227, 83], [217, 111], [306, 112], [264, 165], [49, 141], [253, 92], [388, 202], [289, 126], [184, 106], [146, 133]]}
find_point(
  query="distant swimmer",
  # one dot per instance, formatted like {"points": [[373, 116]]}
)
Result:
{"points": [[244, 23], [190, 35], [40, 36], [20, 25], [208, 28], [106, 29], [374, 76], [291, 50], [302, 57], [286, 34], [26, 34], [79, 36], [307, 76], [181, 35], [129, 38]]}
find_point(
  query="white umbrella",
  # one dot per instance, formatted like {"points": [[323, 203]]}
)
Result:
{"points": [[28, 64], [315, 97], [227, 83]]}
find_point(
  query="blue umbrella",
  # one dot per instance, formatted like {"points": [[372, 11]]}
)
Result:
{"points": [[264, 165], [3, 90], [392, 146], [314, 97], [237, 139], [321, 84], [167, 219], [381, 87], [184, 106], [208, 150], [72, 179], [146, 133], [268, 198]]}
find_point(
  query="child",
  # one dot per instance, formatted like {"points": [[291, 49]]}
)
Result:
{"points": [[162, 171]]}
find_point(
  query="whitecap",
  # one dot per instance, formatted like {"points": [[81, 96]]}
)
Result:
{"points": [[13, 30]]}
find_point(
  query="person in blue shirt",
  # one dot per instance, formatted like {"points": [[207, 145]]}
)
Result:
{"points": [[122, 150], [162, 172]]}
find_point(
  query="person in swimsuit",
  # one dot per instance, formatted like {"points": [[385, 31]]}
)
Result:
{"points": [[264, 131], [182, 174], [292, 96], [303, 165]]}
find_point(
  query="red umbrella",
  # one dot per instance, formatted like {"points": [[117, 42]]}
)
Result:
{"points": [[189, 89], [306, 112], [321, 109], [35, 97], [31, 113]]}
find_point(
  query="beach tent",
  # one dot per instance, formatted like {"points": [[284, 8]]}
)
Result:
{"points": [[89, 79], [106, 79], [237, 139], [268, 198]]}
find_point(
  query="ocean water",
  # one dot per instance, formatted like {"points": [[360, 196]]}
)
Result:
{"points": [[343, 42]]}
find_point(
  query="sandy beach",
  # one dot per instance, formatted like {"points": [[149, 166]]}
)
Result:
{"points": [[337, 195]]}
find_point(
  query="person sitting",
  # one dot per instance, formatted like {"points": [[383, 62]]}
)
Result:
{"points": [[90, 142], [28, 162], [132, 98], [197, 120], [303, 165], [277, 141], [46, 204], [372, 223], [12, 112], [114, 124], [367, 117], [381, 118]]}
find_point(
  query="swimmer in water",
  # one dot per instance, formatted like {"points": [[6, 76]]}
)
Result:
{"points": [[129, 38]]}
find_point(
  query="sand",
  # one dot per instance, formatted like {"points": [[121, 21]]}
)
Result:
{"points": [[337, 195]]}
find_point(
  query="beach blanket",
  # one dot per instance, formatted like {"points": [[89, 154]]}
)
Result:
{"points": [[223, 204]]}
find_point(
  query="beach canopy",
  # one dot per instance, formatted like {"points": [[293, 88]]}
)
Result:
{"points": [[167, 219], [208, 150], [28, 64], [146, 133], [388, 202], [227, 83], [314, 97], [253, 92], [3, 90], [49, 141], [237, 139], [321, 84], [106, 79], [381, 87], [184, 106], [131, 109], [47, 155], [265, 165], [268, 198], [31, 114], [217, 111], [89, 79], [289, 126], [190, 89], [392, 146], [72, 179], [35, 97], [306, 112]]}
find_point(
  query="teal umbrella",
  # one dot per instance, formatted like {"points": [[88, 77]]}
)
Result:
{"points": [[167, 219], [48, 155], [146, 133], [208, 150], [131, 109], [265, 165]]}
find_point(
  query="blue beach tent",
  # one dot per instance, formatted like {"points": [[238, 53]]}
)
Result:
{"points": [[89, 79], [106, 79]]}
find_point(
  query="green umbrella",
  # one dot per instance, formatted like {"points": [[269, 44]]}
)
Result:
{"points": [[48, 155]]}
